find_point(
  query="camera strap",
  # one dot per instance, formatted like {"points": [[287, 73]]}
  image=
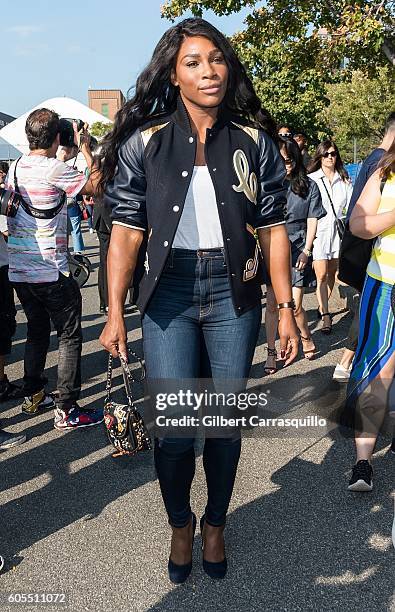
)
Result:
{"points": [[38, 213]]}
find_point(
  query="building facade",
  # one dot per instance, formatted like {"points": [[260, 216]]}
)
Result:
{"points": [[107, 102]]}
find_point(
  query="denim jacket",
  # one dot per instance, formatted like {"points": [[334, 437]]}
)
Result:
{"points": [[151, 181]]}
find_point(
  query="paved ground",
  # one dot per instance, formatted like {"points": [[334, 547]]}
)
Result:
{"points": [[75, 521]]}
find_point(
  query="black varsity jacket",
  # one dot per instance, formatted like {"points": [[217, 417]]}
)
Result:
{"points": [[151, 183]]}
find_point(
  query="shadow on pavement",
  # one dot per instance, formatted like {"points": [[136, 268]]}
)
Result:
{"points": [[310, 545], [70, 495]]}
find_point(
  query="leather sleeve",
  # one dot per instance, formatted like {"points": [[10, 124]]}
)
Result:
{"points": [[125, 194], [272, 193]]}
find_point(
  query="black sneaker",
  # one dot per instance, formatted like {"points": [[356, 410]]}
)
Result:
{"points": [[8, 440], [8, 390], [362, 477]]}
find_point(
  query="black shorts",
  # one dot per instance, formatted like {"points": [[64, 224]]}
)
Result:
{"points": [[7, 312]]}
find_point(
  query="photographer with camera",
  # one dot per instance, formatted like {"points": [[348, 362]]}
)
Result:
{"points": [[38, 266]]}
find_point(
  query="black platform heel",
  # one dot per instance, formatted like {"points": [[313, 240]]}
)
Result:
{"points": [[179, 573], [326, 329], [218, 570]]}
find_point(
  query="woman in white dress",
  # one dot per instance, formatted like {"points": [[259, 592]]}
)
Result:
{"points": [[327, 170]]}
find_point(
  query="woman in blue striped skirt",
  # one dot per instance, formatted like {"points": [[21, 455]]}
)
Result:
{"points": [[372, 375]]}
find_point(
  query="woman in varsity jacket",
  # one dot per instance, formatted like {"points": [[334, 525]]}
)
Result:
{"points": [[195, 179]]}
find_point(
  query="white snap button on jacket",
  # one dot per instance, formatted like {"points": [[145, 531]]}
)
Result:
{"points": [[176, 208], [165, 243], [190, 139], [184, 173]]}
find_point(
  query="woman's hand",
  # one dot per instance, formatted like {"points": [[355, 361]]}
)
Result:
{"points": [[289, 336], [114, 337], [302, 261]]}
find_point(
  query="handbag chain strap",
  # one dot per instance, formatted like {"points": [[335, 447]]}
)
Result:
{"points": [[128, 378]]}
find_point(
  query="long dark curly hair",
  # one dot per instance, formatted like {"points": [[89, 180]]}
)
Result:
{"points": [[322, 148], [154, 95], [298, 176], [387, 162]]}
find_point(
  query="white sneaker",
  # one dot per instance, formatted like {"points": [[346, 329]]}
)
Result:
{"points": [[341, 374]]}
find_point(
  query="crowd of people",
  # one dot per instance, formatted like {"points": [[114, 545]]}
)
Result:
{"points": [[191, 189]]}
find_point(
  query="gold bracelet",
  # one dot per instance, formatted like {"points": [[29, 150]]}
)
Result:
{"points": [[290, 304]]}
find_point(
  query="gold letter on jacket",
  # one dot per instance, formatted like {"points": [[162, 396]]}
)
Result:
{"points": [[247, 182]]}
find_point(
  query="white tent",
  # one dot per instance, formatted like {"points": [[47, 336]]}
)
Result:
{"points": [[14, 132]]}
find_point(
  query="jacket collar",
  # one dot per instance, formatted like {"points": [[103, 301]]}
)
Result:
{"points": [[181, 117]]}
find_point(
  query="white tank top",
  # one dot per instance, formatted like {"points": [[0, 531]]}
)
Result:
{"points": [[199, 226]]}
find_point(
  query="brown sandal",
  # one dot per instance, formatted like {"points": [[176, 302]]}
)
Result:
{"points": [[326, 329], [271, 353], [309, 353]]}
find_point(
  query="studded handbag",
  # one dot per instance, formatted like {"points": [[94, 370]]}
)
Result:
{"points": [[124, 424]]}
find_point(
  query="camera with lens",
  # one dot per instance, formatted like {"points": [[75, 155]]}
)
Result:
{"points": [[9, 202], [66, 131]]}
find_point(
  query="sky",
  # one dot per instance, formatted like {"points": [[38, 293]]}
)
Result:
{"points": [[63, 48]]}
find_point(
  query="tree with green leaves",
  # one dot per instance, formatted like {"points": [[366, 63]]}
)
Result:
{"points": [[358, 110], [294, 48], [99, 129]]}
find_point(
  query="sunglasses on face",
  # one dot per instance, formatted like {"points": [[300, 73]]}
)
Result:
{"points": [[329, 154], [285, 134]]}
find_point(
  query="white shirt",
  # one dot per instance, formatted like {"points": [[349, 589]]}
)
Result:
{"points": [[199, 226], [327, 239], [3, 244], [37, 248]]}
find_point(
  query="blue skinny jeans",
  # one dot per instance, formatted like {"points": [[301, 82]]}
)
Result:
{"points": [[190, 330]]}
